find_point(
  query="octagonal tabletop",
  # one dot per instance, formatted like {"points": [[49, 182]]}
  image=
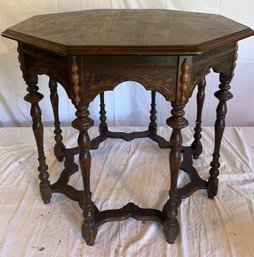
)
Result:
{"points": [[128, 32]]}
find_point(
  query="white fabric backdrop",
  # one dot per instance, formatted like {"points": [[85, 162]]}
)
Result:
{"points": [[122, 111], [223, 227]]}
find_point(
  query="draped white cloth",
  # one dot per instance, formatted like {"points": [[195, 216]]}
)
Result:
{"points": [[136, 171]]}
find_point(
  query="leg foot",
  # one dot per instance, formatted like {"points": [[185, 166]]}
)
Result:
{"points": [[171, 226], [89, 233], [46, 194], [171, 231], [212, 187]]}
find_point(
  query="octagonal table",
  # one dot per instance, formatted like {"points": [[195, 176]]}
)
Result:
{"points": [[89, 52]]}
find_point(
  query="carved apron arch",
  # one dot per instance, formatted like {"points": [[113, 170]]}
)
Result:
{"points": [[203, 64]]}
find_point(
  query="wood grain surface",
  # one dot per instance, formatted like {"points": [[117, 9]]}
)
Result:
{"points": [[131, 31]]}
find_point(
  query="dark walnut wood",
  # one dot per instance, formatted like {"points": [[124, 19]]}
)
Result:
{"points": [[128, 31], [103, 128], [34, 97], [83, 123], [153, 117], [59, 146], [196, 145], [176, 122], [90, 52]]}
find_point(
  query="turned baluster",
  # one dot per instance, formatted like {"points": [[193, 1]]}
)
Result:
{"points": [[34, 97], [83, 123], [176, 122], [223, 95], [103, 127], [153, 125], [59, 146], [196, 145]]}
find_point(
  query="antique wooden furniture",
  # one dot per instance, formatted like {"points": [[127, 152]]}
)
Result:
{"points": [[89, 52]]}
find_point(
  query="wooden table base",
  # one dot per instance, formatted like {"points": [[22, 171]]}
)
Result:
{"points": [[129, 210]]}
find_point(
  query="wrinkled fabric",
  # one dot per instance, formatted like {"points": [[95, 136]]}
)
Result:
{"points": [[136, 171]]}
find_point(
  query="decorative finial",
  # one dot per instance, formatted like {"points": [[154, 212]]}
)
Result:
{"points": [[75, 80], [184, 80]]}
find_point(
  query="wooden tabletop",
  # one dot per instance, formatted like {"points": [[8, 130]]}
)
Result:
{"points": [[129, 32]]}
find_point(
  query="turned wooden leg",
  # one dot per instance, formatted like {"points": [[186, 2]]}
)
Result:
{"points": [[153, 124], [196, 145], [103, 127], [176, 122], [83, 123], [59, 146], [223, 95], [34, 97]]}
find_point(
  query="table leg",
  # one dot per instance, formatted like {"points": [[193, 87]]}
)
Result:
{"points": [[153, 125], [176, 122], [83, 123], [223, 95], [196, 145], [103, 127], [34, 97], [59, 146]]}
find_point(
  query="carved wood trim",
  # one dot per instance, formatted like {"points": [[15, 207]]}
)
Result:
{"points": [[234, 59], [162, 80], [35, 61], [75, 81], [220, 60], [21, 60], [184, 78]]}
